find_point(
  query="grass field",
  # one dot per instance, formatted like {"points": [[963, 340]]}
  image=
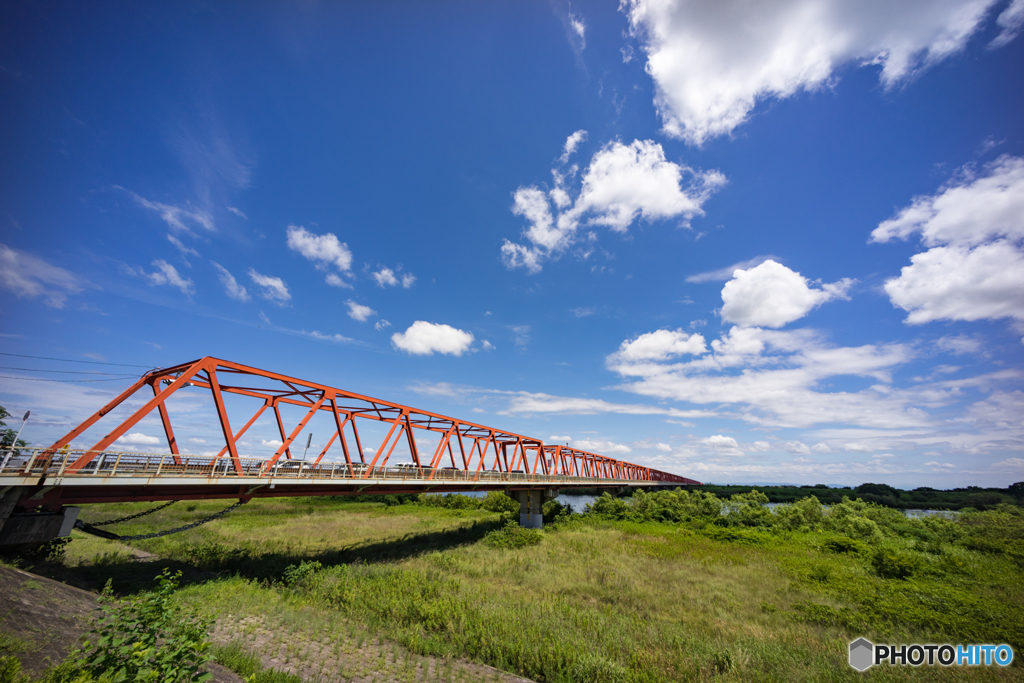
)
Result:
{"points": [[612, 597]]}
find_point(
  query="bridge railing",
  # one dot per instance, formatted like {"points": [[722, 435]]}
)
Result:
{"points": [[38, 462]]}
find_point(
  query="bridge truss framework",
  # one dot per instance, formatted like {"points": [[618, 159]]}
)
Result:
{"points": [[468, 456]]}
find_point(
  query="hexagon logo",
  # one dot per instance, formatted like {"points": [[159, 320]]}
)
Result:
{"points": [[861, 654]]}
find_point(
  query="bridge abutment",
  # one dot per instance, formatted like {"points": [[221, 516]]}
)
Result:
{"points": [[34, 527], [531, 504]]}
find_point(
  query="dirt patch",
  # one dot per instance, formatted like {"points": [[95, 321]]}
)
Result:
{"points": [[49, 619], [348, 656]]}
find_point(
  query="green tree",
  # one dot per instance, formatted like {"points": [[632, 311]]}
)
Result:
{"points": [[7, 435]]}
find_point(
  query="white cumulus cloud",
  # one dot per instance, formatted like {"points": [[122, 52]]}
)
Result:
{"points": [[772, 295], [661, 345], [622, 184], [957, 283], [358, 311], [385, 277], [323, 250], [138, 439], [600, 446], [712, 62], [974, 268], [779, 378], [424, 338], [722, 445]]}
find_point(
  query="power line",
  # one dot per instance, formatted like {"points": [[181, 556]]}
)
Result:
{"points": [[74, 360], [39, 379], [67, 372]]}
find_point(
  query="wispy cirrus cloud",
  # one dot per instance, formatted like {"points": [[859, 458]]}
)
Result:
{"points": [[31, 277], [180, 219], [273, 289], [166, 274], [231, 286]]}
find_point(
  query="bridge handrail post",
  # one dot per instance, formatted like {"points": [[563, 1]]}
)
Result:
{"points": [[160, 465], [63, 464], [31, 461], [117, 462]]}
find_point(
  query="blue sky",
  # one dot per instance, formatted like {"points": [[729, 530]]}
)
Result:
{"points": [[771, 244]]}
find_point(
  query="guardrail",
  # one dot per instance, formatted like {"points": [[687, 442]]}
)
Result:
{"points": [[23, 463]]}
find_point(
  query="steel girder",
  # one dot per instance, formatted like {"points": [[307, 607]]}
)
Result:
{"points": [[466, 445]]}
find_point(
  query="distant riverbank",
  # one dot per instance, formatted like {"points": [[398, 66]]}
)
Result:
{"points": [[921, 498]]}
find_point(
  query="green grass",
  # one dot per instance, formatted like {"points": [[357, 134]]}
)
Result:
{"points": [[247, 665], [595, 599]]}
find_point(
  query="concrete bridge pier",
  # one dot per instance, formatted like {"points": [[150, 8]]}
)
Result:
{"points": [[25, 528], [531, 502]]}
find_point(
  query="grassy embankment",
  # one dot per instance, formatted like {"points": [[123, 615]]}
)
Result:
{"points": [[662, 588]]}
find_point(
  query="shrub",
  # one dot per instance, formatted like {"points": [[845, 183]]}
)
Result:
{"points": [[496, 501], [553, 509], [608, 507], [597, 669], [736, 535], [893, 564], [722, 662], [10, 670], [451, 501], [143, 638], [843, 545], [821, 574], [512, 536], [296, 574], [806, 512]]}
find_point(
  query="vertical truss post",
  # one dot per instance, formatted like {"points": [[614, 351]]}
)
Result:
{"points": [[280, 428], [412, 443], [222, 413], [165, 418], [341, 431], [359, 444]]}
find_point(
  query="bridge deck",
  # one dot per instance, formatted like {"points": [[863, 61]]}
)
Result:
{"points": [[120, 477]]}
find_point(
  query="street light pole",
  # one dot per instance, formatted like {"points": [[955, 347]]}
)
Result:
{"points": [[14, 444]]}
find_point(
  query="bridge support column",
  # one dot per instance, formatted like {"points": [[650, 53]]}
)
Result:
{"points": [[531, 503], [18, 529]]}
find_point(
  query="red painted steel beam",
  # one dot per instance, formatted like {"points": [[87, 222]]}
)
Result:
{"points": [[272, 389]]}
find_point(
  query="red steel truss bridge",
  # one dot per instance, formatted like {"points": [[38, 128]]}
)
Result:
{"points": [[463, 456]]}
